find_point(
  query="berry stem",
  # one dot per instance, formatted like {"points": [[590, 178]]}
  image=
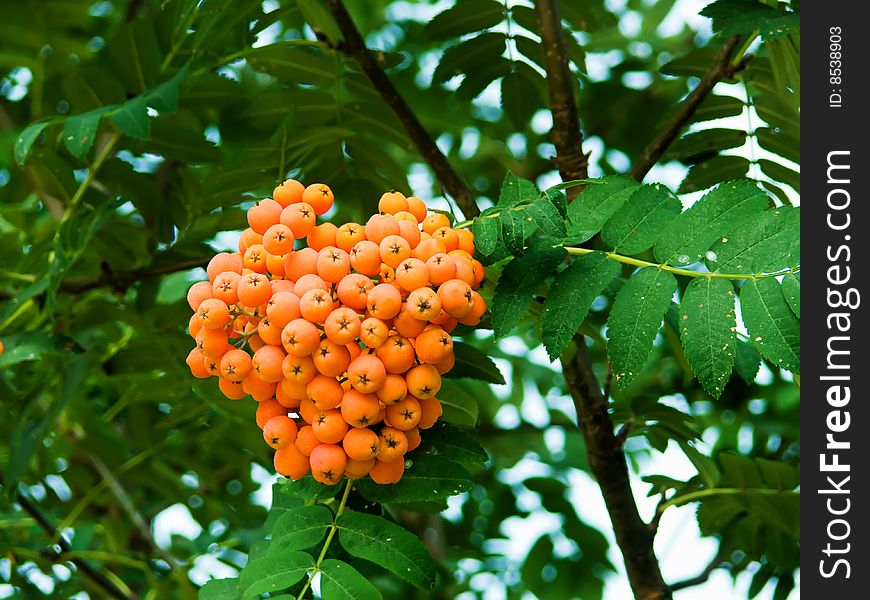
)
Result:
{"points": [[332, 529]]}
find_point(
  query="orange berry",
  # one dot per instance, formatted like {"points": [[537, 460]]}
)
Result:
{"points": [[348, 235], [298, 369], [306, 441], [300, 262], [380, 226], [387, 472], [388, 275], [465, 240], [194, 325], [361, 443], [267, 363], [366, 373], [282, 285], [448, 237], [249, 238], [212, 342], [356, 469], [319, 196], [224, 262], [235, 365], [365, 258], [393, 390], [464, 269], [409, 231], [392, 202], [445, 365], [255, 258], [198, 367], [329, 426], [280, 432], [289, 399], [292, 463], [307, 410], [353, 289], [225, 287], [309, 281], [324, 392], [259, 390], [278, 239], [457, 297], [434, 346], [441, 267], [404, 414], [231, 389], [328, 462], [263, 215], [331, 359], [394, 249], [359, 409], [404, 215], [254, 289], [300, 337], [384, 301], [430, 412], [315, 305], [397, 354], [269, 332], [214, 314], [434, 222], [414, 438], [289, 192], [477, 311], [282, 308], [342, 326], [200, 291], [268, 410], [353, 349], [479, 273], [428, 248], [423, 381], [322, 236], [417, 208], [373, 332], [300, 218], [406, 324], [392, 445], [424, 304], [333, 264]]}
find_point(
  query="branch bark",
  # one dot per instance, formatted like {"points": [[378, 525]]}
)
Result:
{"points": [[570, 159], [354, 46], [723, 67]]}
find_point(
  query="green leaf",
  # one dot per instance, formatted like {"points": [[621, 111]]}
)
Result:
{"points": [[648, 213], [308, 488], [295, 62], [301, 528], [474, 364], [791, 289], [767, 243], [79, 131], [635, 319], [710, 172], [220, 589], [341, 581], [428, 478], [27, 138], [386, 544], [698, 145], [694, 64], [519, 94], [513, 231], [468, 16], [747, 361], [735, 17], [718, 107], [557, 199], [570, 297], [781, 173], [515, 190], [469, 56], [458, 404], [547, 217], [486, 232], [454, 443], [518, 285], [708, 331], [272, 573], [720, 212], [588, 213], [773, 327], [132, 118], [135, 53]]}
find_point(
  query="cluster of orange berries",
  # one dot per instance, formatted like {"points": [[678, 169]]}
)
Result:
{"points": [[350, 334]]}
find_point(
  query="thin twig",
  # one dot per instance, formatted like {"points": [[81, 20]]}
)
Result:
{"points": [[702, 577], [90, 572], [354, 46], [723, 67]]}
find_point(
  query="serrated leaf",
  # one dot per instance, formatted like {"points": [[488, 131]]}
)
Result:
{"points": [[79, 131], [747, 361], [272, 573], [518, 284], [570, 297], [468, 16], [698, 145], [588, 213], [791, 289], [27, 138], [635, 319], [132, 118], [458, 404], [721, 211], [486, 233], [708, 331], [428, 478], [341, 581], [515, 190], [301, 528], [469, 56], [643, 218], [455, 443], [557, 199], [718, 107], [547, 217], [220, 589], [710, 172], [474, 364], [308, 488], [772, 326], [780, 142], [781, 173], [767, 243], [513, 231], [386, 544]]}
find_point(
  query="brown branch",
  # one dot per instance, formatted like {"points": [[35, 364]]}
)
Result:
{"points": [[570, 159], [354, 46], [700, 578], [90, 572], [723, 67]]}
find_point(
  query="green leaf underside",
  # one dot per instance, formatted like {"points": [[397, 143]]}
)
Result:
{"points": [[721, 211], [708, 331], [570, 297], [598, 203], [386, 544], [341, 581], [772, 326], [518, 283], [648, 212], [273, 572], [635, 320], [766, 244]]}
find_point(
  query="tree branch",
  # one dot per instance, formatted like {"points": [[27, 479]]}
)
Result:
{"points": [[354, 46], [701, 577], [723, 67], [90, 572], [570, 159]]}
